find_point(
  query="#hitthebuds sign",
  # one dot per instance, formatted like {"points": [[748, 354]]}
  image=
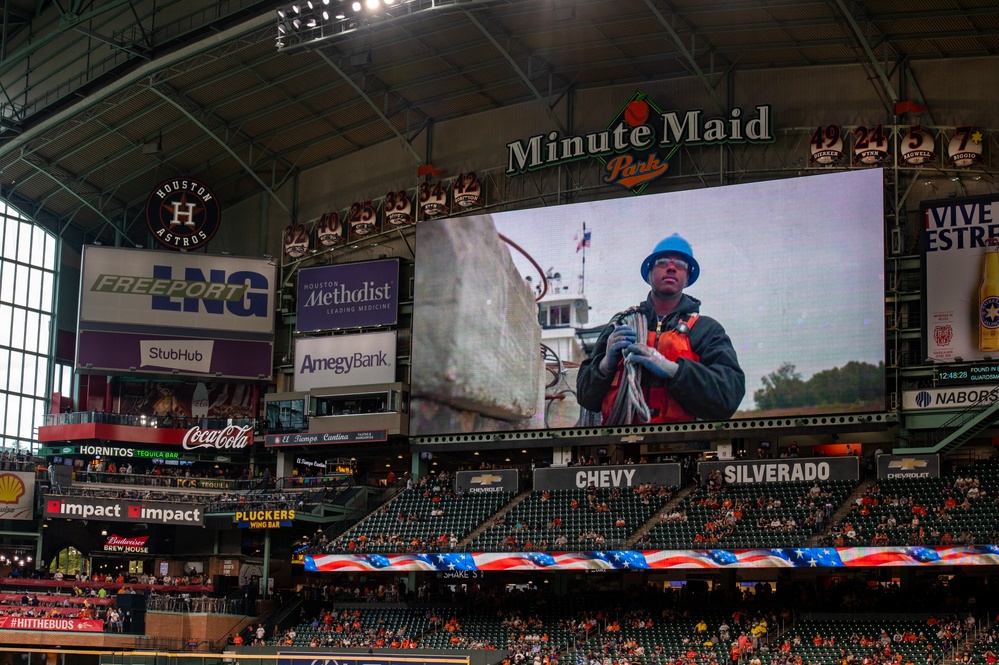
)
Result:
{"points": [[638, 142], [351, 295]]}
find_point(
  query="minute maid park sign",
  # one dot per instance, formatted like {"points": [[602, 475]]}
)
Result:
{"points": [[636, 145]]}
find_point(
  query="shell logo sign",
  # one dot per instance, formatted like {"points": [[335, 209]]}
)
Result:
{"points": [[17, 491], [11, 488]]}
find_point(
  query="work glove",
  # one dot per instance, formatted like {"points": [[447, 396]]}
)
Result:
{"points": [[652, 360], [622, 337]]}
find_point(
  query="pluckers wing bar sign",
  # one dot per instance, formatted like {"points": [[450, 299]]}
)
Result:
{"points": [[264, 519], [183, 213], [636, 145]]}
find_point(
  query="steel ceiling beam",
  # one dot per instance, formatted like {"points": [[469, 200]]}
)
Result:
{"points": [[182, 107], [520, 72], [51, 171], [872, 59], [371, 103], [687, 54]]}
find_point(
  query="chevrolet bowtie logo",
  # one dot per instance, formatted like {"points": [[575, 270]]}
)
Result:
{"points": [[486, 479], [907, 464], [632, 438]]}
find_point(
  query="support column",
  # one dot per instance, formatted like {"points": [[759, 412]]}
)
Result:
{"points": [[267, 562]]}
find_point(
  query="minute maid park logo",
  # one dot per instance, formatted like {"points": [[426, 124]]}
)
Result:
{"points": [[638, 143]]}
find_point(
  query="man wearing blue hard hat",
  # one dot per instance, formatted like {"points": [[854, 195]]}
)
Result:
{"points": [[663, 361]]}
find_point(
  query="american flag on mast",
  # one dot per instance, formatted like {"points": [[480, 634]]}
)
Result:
{"points": [[584, 241]]}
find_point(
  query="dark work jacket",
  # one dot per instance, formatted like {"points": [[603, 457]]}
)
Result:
{"points": [[709, 389]]}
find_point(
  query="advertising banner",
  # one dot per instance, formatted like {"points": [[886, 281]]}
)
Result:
{"points": [[345, 360], [181, 399], [188, 314], [56, 624], [476, 339], [485, 481], [798, 557], [908, 466], [581, 477], [957, 398], [346, 658], [17, 495], [124, 510], [351, 295], [323, 438], [764, 471], [961, 279], [126, 544]]}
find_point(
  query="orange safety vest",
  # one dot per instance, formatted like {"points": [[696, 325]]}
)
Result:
{"points": [[674, 345]]}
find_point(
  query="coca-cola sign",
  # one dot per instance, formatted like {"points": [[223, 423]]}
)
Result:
{"points": [[136, 545], [232, 437]]}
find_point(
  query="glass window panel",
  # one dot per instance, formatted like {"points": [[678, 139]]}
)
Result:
{"points": [[24, 242], [13, 411], [30, 415], [44, 332], [35, 289], [10, 240], [21, 285], [17, 329], [48, 279], [7, 271], [66, 384], [27, 385], [49, 257], [38, 236], [14, 371], [31, 332], [6, 321], [40, 376], [4, 359]]}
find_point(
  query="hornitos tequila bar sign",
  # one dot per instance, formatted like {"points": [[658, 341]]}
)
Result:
{"points": [[636, 145]]}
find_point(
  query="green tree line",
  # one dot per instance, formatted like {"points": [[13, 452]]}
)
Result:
{"points": [[853, 383]]}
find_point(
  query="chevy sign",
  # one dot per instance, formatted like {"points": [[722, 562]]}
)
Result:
{"points": [[345, 360]]}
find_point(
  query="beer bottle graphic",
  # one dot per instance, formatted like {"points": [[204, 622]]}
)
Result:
{"points": [[988, 299]]}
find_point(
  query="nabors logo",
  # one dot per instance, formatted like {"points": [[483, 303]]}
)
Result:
{"points": [[638, 142], [183, 213]]}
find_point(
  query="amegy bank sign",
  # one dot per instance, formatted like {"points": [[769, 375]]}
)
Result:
{"points": [[345, 360]]}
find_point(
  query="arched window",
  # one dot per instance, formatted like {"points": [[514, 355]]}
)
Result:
{"points": [[27, 285]]}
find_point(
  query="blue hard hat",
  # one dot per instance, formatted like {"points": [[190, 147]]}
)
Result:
{"points": [[674, 244]]}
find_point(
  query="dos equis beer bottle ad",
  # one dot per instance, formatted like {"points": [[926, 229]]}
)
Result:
{"points": [[988, 299]]}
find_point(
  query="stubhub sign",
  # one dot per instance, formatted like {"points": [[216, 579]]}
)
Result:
{"points": [[345, 360], [167, 313]]}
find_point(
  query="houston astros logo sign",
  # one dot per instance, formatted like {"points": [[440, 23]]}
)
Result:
{"points": [[183, 213]]}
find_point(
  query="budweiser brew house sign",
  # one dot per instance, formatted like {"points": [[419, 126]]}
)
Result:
{"points": [[135, 545], [233, 437]]}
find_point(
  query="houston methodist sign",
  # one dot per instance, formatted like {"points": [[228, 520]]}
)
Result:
{"points": [[146, 312], [351, 295]]}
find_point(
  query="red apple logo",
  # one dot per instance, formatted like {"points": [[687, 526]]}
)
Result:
{"points": [[636, 113]]}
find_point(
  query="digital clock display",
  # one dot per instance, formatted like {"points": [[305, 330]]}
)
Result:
{"points": [[968, 375]]}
